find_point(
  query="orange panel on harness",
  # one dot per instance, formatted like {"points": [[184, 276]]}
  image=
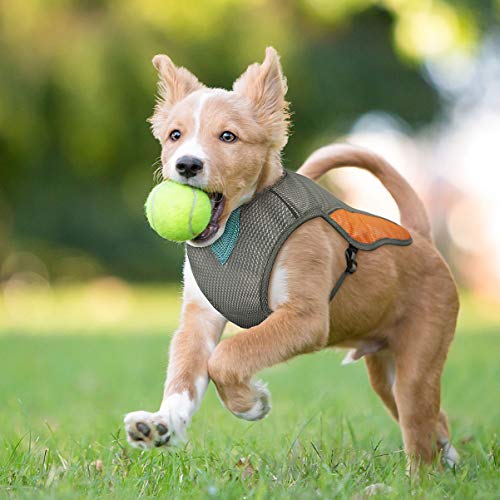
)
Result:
{"points": [[367, 228]]}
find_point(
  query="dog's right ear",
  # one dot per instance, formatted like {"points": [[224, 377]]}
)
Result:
{"points": [[265, 87], [174, 84]]}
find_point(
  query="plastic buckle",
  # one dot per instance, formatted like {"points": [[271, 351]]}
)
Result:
{"points": [[350, 257]]}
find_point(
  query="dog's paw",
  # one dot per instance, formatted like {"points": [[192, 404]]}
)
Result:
{"points": [[147, 430], [449, 455], [262, 405]]}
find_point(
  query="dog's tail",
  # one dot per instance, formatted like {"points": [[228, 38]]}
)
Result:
{"points": [[411, 208]]}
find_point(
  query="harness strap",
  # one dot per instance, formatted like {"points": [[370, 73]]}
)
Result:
{"points": [[351, 266]]}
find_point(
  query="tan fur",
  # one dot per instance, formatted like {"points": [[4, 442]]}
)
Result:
{"points": [[398, 310]]}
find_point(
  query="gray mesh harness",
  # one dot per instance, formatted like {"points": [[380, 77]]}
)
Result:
{"points": [[234, 272]]}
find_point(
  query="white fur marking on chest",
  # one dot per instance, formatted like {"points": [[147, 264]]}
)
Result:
{"points": [[278, 285], [192, 292]]}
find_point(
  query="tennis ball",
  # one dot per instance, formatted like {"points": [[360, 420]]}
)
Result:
{"points": [[178, 212]]}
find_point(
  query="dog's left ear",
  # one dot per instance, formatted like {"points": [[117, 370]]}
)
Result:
{"points": [[174, 84], [265, 86]]}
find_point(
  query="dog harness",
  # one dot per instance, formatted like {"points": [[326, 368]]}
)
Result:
{"points": [[234, 272]]}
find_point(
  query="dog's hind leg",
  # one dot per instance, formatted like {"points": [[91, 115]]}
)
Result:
{"points": [[417, 391], [382, 371], [420, 349]]}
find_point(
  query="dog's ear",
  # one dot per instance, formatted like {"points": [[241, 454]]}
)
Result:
{"points": [[265, 86], [174, 84]]}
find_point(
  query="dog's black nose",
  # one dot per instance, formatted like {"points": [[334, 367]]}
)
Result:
{"points": [[188, 166]]}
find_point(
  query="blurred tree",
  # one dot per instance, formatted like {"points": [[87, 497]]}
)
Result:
{"points": [[76, 87]]}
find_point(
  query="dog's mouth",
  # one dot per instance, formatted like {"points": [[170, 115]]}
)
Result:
{"points": [[218, 201]]}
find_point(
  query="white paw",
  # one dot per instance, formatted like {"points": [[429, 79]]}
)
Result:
{"points": [[449, 455], [166, 427], [146, 430], [262, 405]]}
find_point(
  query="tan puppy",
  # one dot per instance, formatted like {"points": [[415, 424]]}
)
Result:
{"points": [[398, 311]]}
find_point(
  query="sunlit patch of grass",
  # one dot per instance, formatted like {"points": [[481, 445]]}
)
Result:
{"points": [[105, 306], [112, 306]]}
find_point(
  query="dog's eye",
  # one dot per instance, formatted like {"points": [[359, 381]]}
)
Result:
{"points": [[175, 135], [227, 136]]}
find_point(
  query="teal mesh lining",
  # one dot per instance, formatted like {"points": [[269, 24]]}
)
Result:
{"points": [[224, 246]]}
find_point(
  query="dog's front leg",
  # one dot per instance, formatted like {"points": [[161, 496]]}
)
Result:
{"points": [[187, 375], [286, 333], [299, 291]]}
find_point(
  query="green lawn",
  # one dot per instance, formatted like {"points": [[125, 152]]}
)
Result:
{"points": [[62, 398]]}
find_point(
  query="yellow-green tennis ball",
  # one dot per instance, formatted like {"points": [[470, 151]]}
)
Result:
{"points": [[178, 212]]}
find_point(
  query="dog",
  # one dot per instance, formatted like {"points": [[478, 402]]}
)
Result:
{"points": [[398, 311]]}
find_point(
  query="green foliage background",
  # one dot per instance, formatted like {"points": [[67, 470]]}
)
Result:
{"points": [[76, 87]]}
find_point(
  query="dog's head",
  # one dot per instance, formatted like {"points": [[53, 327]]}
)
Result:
{"points": [[227, 143]]}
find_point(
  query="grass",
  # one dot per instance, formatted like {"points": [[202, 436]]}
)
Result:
{"points": [[62, 398]]}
